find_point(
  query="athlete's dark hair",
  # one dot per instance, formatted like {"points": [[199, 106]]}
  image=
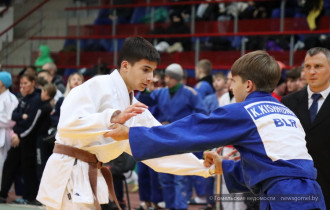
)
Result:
{"points": [[136, 49]]}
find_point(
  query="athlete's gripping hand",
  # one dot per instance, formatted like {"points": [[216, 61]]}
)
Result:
{"points": [[214, 157], [118, 132], [131, 111]]}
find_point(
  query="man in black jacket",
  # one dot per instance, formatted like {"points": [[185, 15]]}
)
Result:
{"points": [[312, 107]]}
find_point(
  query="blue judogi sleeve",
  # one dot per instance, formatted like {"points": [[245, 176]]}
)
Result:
{"points": [[193, 133], [233, 174]]}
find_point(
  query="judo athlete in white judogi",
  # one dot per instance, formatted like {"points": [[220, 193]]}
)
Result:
{"points": [[8, 102], [87, 113]]}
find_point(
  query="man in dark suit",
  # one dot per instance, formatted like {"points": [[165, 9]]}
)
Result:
{"points": [[312, 107]]}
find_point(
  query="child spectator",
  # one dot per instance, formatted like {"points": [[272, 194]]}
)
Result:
{"points": [[44, 149], [292, 79]]}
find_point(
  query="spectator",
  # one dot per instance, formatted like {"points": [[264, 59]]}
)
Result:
{"points": [[314, 9], [176, 100], [29, 70], [101, 68], [317, 72], [206, 11], [234, 10], [203, 74], [212, 101], [291, 9], [40, 82], [177, 26], [258, 10], [74, 80], [292, 79], [56, 79], [228, 98], [44, 150], [22, 154], [280, 89], [123, 15], [160, 14], [8, 103], [16, 79], [47, 76], [44, 57], [183, 10]]}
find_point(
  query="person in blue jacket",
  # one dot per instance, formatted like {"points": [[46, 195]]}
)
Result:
{"points": [[176, 100], [274, 161], [203, 74], [214, 100]]}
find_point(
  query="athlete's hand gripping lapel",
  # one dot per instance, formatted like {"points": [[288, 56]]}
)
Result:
{"points": [[128, 113]]}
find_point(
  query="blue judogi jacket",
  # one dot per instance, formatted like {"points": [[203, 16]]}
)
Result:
{"points": [[211, 102], [184, 102], [267, 134], [204, 88]]}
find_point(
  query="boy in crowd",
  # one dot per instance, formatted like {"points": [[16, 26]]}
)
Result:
{"points": [[44, 149], [293, 79], [203, 73], [213, 101], [274, 159]]}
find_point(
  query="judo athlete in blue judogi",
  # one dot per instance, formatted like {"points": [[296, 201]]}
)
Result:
{"points": [[176, 100], [274, 159]]}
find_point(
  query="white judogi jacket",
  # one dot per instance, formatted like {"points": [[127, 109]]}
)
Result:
{"points": [[85, 117], [8, 102], [225, 100]]}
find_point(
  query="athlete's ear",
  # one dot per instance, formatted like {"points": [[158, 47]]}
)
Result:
{"points": [[124, 66], [250, 87]]}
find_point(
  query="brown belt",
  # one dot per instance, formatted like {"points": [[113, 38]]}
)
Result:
{"points": [[94, 164]]}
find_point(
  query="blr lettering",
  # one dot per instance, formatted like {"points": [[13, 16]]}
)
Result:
{"points": [[285, 122]]}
